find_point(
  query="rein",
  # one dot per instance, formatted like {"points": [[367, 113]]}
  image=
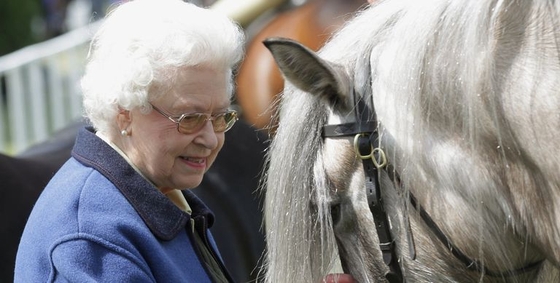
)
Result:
{"points": [[366, 145]]}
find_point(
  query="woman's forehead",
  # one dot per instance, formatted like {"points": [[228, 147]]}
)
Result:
{"points": [[198, 88]]}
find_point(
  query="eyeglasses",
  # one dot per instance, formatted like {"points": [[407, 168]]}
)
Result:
{"points": [[192, 123]]}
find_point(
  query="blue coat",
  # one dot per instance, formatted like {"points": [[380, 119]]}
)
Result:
{"points": [[98, 220]]}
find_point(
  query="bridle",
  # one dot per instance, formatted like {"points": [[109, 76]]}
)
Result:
{"points": [[366, 145]]}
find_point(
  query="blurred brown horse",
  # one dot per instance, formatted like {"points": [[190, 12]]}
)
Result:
{"points": [[259, 80]]}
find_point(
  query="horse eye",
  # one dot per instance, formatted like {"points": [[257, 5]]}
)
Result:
{"points": [[335, 212]]}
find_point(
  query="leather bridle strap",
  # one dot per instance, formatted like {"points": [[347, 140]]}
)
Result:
{"points": [[375, 202], [366, 143], [471, 264]]}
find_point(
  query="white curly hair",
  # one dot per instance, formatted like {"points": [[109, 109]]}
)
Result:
{"points": [[139, 48]]}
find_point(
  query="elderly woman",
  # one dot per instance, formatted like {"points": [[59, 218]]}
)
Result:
{"points": [[157, 91]]}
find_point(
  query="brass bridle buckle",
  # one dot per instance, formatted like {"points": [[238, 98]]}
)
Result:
{"points": [[382, 162]]}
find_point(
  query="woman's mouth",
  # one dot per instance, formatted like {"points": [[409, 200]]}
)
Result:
{"points": [[198, 162], [194, 160]]}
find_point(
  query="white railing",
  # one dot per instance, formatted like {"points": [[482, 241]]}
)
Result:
{"points": [[39, 88]]}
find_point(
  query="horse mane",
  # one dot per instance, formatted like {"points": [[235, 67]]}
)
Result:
{"points": [[290, 193], [447, 84]]}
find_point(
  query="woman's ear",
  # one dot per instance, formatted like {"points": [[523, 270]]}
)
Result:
{"points": [[124, 119]]}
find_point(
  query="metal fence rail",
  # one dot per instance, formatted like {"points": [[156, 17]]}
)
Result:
{"points": [[39, 87]]}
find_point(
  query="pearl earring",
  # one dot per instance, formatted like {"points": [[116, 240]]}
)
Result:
{"points": [[124, 133]]}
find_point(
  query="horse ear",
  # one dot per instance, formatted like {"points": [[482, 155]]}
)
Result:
{"points": [[308, 72]]}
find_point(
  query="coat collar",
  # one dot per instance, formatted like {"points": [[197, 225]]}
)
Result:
{"points": [[163, 218]]}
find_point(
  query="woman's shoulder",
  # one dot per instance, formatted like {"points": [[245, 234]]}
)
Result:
{"points": [[79, 187], [80, 199]]}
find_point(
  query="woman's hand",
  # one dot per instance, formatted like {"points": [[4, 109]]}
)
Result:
{"points": [[339, 278]]}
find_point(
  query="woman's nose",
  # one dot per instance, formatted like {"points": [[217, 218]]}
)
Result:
{"points": [[207, 136]]}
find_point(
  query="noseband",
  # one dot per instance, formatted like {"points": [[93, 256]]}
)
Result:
{"points": [[366, 145]]}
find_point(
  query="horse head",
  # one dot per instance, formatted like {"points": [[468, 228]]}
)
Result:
{"points": [[336, 160], [463, 98]]}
